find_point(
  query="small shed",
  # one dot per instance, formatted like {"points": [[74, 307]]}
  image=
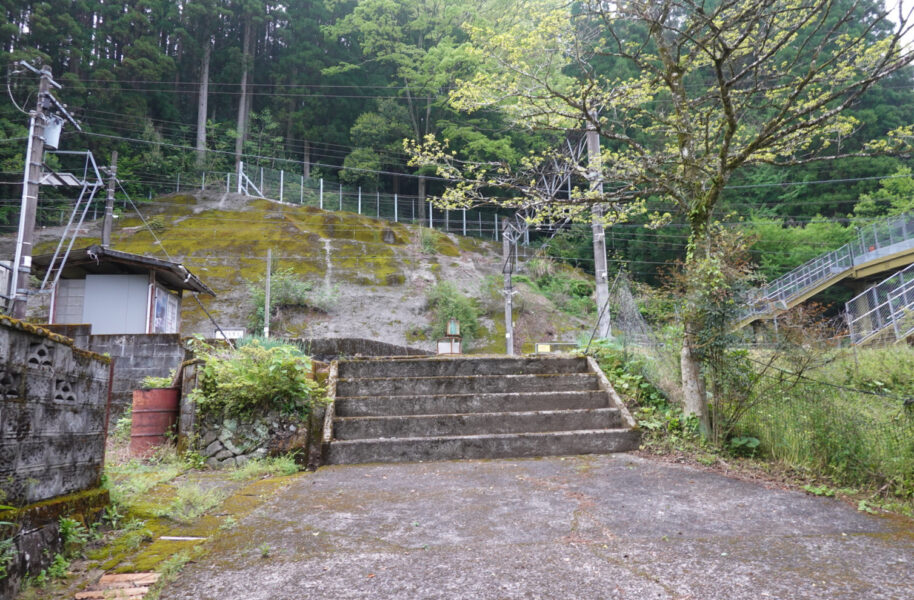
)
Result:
{"points": [[119, 292]]}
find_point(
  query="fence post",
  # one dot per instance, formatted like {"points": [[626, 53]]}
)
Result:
{"points": [[479, 215], [496, 227], [395, 208], [341, 196], [240, 172], [228, 182], [282, 181], [301, 191], [360, 200], [261, 182], [178, 184], [464, 222], [203, 182], [377, 203], [447, 220], [322, 193], [431, 222]]}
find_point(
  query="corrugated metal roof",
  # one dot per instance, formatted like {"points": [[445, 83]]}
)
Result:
{"points": [[101, 261]]}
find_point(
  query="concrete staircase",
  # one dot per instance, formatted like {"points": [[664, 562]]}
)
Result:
{"points": [[401, 410]]}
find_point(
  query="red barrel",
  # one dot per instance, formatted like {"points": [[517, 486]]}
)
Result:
{"points": [[155, 412]]}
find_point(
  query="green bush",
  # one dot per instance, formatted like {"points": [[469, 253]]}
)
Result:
{"points": [[253, 377], [561, 285], [288, 290], [446, 302]]}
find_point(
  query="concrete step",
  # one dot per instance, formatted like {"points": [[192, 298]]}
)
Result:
{"points": [[450, 366], [352, 428], [505, 445], [382, 406], [481, 384]]}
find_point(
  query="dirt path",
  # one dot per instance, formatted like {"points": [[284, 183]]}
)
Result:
{"points": [[615, 526]]}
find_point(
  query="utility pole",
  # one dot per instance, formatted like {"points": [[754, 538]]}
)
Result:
{"points": [[599, 236], [507, 268], [266, 298], [109, 202], [34, 154]]}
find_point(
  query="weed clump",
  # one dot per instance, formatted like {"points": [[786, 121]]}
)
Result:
{"points": [[239, 383]]}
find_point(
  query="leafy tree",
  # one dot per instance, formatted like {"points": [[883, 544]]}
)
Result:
{"points": [[894, 196], [712, 88]]}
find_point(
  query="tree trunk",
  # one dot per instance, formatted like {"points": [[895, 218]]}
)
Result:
{"points": [[243, 108], [202, 105], [695, 401]]}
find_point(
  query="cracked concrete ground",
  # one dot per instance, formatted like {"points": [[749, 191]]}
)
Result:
{"points": [[615, 526]]}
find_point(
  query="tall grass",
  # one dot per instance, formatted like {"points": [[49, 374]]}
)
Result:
{"points": [[828, 427]]}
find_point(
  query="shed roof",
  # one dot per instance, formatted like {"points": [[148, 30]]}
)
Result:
{"points": [[97, 260]]}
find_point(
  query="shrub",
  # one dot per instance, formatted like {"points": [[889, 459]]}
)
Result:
{"points": [[253, 377], [288, 290], [446, 302]]}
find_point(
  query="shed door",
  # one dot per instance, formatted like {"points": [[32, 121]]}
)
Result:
{"points": [[116, 303]]}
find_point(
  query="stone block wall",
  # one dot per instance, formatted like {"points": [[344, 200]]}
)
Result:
{"points": [[228, 442], [54, 401]]}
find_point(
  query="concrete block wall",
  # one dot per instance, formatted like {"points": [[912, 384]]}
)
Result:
{"points": [[53, 409], [135, 357], [327, 349]]}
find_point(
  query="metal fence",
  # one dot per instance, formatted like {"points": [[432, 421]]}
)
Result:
{"points": [[887, 306], [872, 241], [284, 186]]}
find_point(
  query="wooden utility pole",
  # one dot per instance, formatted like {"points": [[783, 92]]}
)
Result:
{"points": [[507, 268], [22, 265], [108, 223], [266, 296], [595, 166]]}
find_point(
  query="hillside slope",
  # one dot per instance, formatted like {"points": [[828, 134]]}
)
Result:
{"points": [[371, 275]]}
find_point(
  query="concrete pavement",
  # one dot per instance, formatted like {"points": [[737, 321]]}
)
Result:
{"points": [[602, 526]]}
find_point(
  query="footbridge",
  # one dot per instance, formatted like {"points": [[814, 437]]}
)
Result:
{"points": [[879, 249]]}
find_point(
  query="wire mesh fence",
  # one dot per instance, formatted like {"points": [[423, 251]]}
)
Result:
{"points": [[856, 438], [293, 188]]}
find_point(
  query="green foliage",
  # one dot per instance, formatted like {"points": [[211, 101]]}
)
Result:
{"points": [[122, 426], [779, 248], [73, 536], [446, 303], [428, 240], [152, 382], [129, 482], [59, 567], [191, 502], [7, 544], [562, 286], [894, 196], [266, 467], [288, 291], [834, 432], [820, 490], [744, 445], [264, 550], [253, 377]]}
